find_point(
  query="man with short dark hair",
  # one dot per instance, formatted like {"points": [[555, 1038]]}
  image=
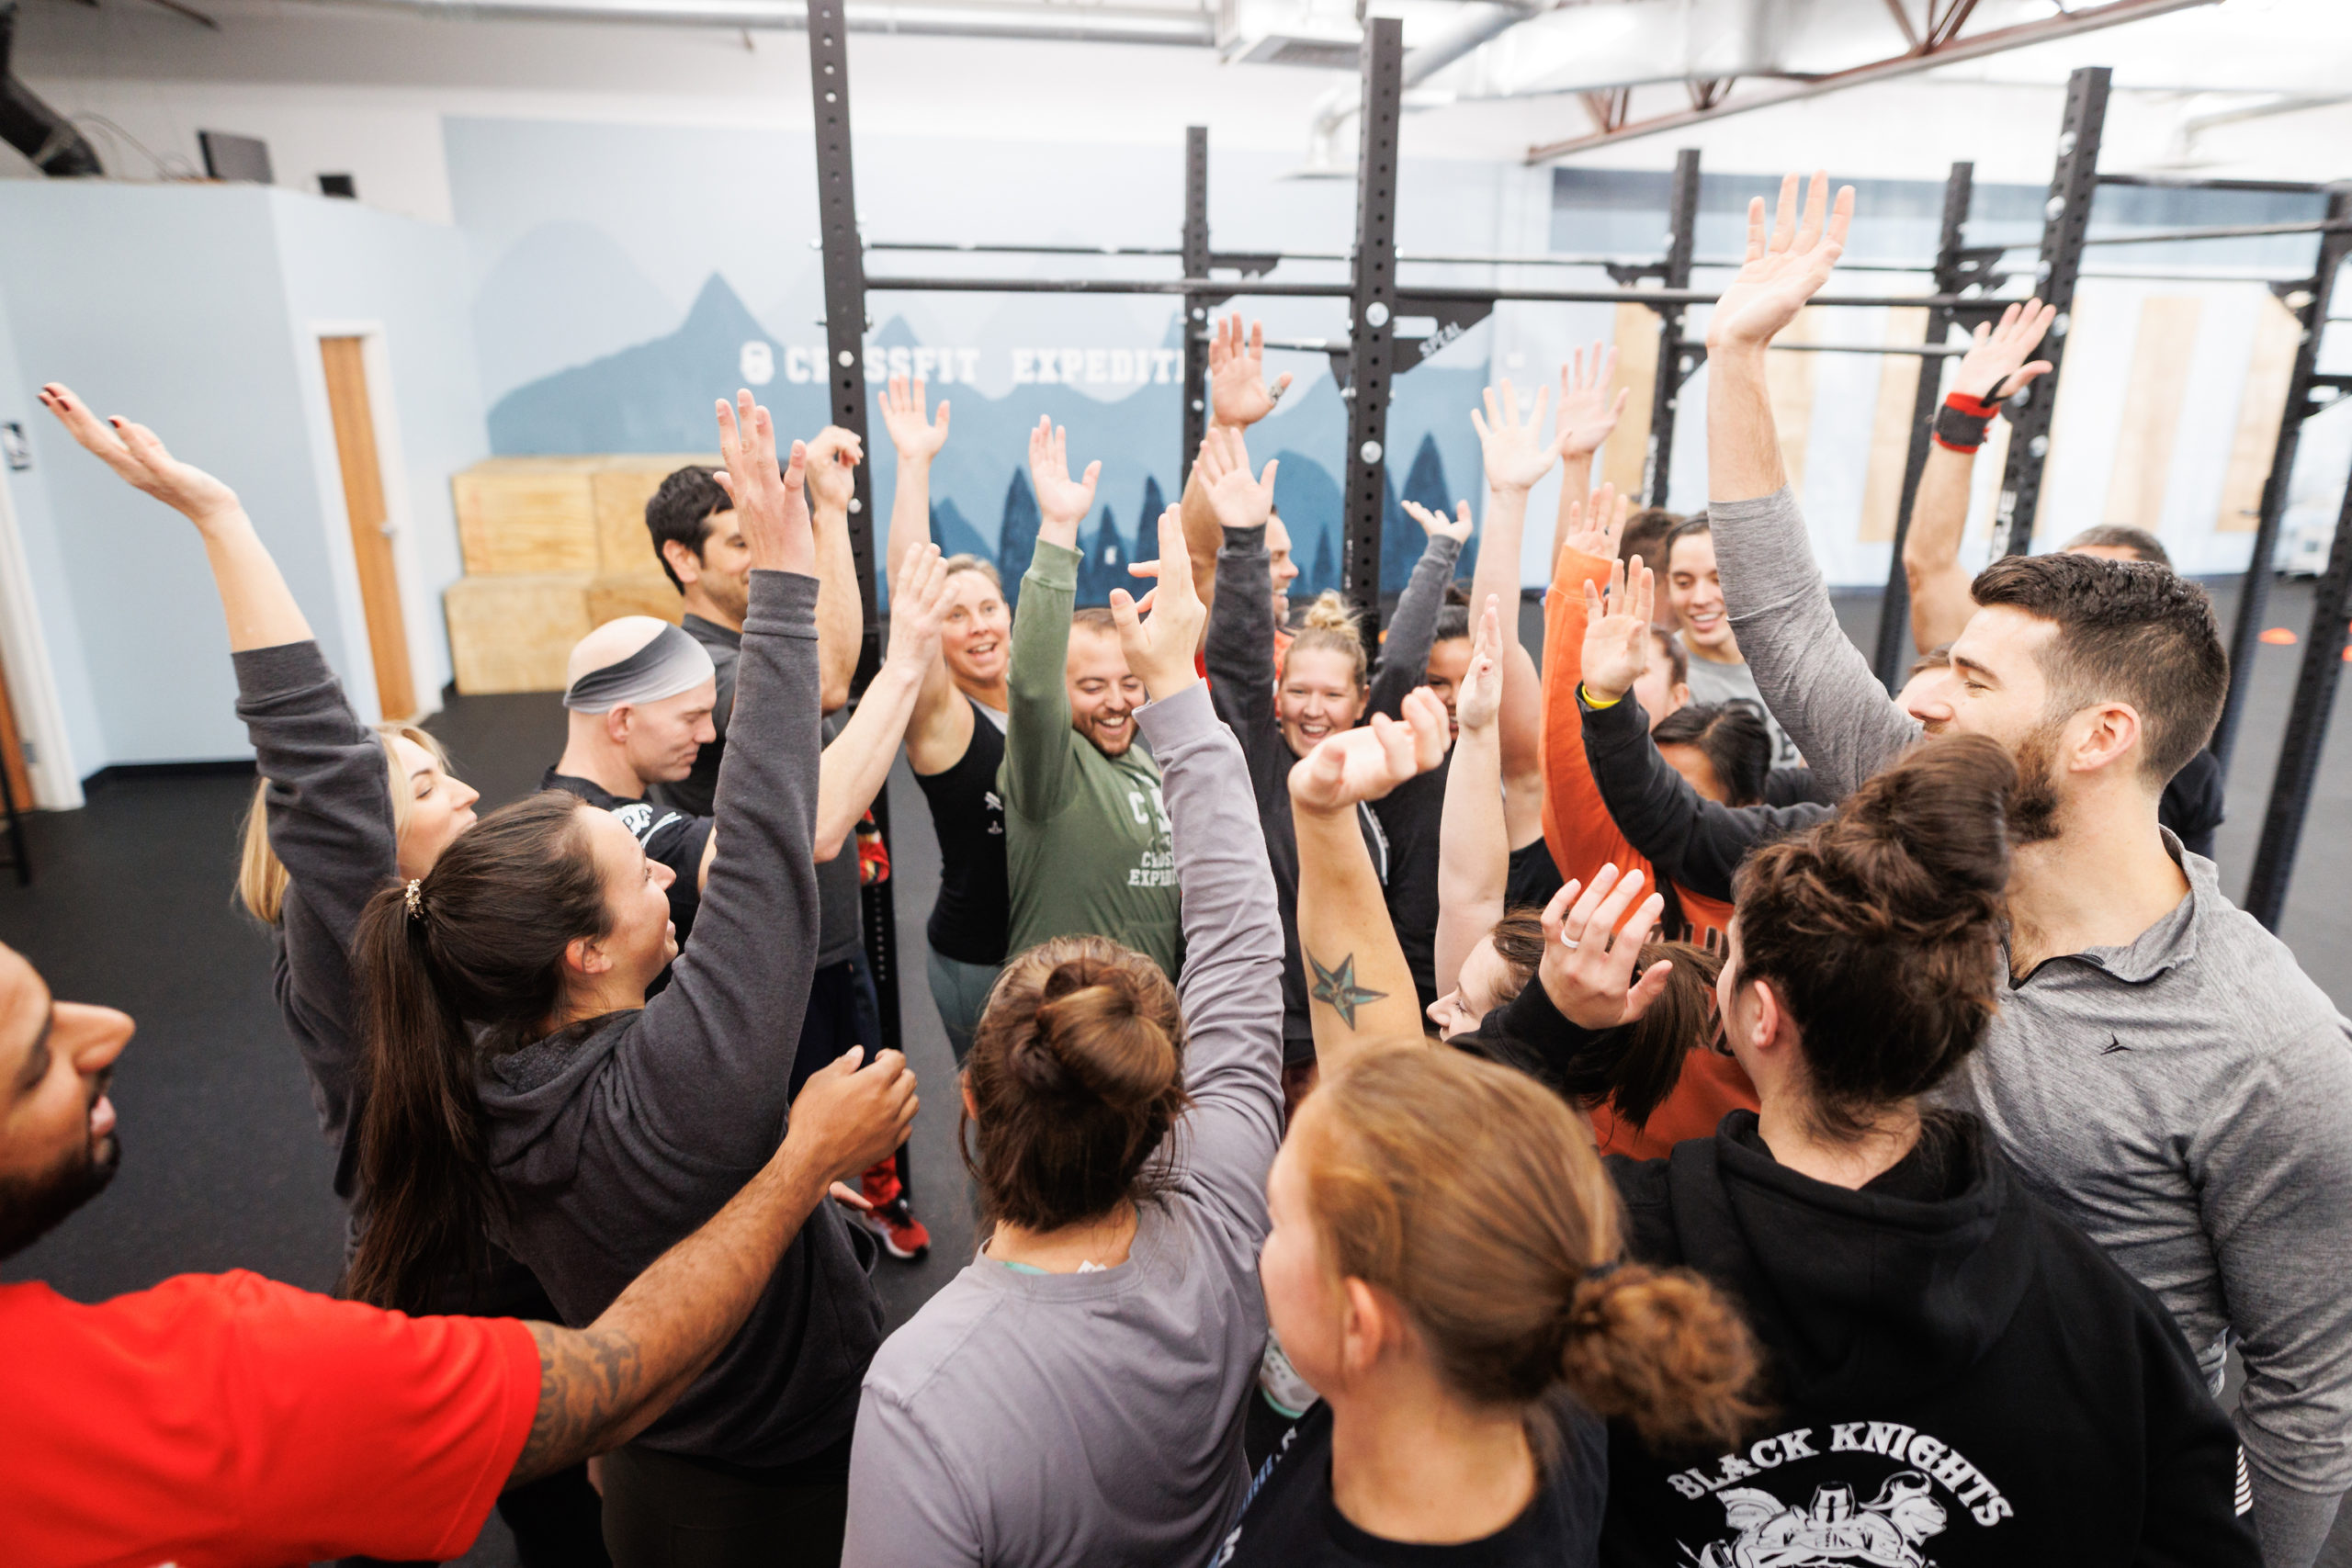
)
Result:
{"points": [[227, 1418], [2160, 1071], [703, 554]]}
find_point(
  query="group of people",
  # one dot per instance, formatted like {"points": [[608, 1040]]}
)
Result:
{"points": [[1665, 1103]]}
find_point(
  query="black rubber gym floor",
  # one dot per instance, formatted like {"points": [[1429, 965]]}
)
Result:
{"points": [[223, 1163]]}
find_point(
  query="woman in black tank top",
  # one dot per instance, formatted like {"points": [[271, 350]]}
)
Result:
{"points": [[956, 739]]}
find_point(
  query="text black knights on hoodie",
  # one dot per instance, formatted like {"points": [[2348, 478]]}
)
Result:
{"points": [[1956, 1378]]}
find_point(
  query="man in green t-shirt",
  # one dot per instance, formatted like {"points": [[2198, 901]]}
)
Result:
{"points": [[1086, 831]]}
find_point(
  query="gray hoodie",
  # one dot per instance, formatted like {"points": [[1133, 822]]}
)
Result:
{"points": [[1096, 1417], [617, 1138]]}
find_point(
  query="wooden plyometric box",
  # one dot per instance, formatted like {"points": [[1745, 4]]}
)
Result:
{"points": [[621, 486], [610, 598], [513, 632], [527, 515]]}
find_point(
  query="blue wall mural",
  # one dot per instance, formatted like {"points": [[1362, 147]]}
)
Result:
{"points": [[583, 233]]}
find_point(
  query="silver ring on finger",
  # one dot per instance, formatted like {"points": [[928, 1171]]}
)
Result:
{"points": [[1569, 943]]}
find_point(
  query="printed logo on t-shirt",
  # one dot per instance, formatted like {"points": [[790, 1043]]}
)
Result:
{"points": [[639, 818], [995, 810], [1156, 867], [1870, 1514]]}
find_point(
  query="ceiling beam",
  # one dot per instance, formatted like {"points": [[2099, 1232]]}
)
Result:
{"points": [[2114, 13]]}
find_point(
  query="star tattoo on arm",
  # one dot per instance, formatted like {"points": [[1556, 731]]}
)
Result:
{"points": [[1337, 988]]}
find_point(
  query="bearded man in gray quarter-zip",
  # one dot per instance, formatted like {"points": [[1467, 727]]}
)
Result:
{"points": [[2161, 1070]]}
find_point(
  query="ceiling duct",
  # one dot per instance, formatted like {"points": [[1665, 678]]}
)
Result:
{"points": [[1185, 23], [30, 125]]}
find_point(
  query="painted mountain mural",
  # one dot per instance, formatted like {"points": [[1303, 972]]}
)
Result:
{"points": [[656, 397]]}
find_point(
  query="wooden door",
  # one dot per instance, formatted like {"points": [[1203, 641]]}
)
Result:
{"points": [[12, 752], [371, 542]]}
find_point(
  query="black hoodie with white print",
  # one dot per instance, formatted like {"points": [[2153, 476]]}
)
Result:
{"points": [[1954, 1377]]}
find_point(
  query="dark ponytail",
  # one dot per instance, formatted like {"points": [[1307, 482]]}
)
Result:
{"points": [[1638, 1066], [1880, 928], [477, 942], [1075, 1078]]}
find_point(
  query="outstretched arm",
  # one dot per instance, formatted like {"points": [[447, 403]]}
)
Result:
{"points": [[858, 760], [1232, 987], [1240, 396], [259, 606], [1587, 416], [1038, 769], [1693, 842], [1404, 660], [1239, 646], [1360, 986], [917, 438], [1473, 852], [841, 604], [1814, 682], [601, 1385], [1992, 371], [1517, 455]]}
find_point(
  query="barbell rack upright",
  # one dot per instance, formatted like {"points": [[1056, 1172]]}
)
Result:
{"points": [[844, 259], [1372, 319]]}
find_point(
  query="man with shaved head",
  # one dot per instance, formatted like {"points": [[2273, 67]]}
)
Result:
{"points": [[640, 697]]}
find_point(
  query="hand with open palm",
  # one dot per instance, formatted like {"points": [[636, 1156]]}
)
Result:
{"points": [[1515, 451], [1783, 269]]}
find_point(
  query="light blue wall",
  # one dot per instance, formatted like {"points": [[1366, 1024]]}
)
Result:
{"points": [[188, 307]]}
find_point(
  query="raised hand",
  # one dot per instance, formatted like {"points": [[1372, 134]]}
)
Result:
{"points": [[1997, 358], [1480, 698], [1588, 413], [1597, 523], [1238, 500], [1366, 764], [1784, 269], [133, 452], [833, 455], [771, 507], [1617, 631], [1062, 501], [1438, 525], [1238, 395], [1515, 451], [1160, 649], [917, 437], [1588, 971], [919, 603]]}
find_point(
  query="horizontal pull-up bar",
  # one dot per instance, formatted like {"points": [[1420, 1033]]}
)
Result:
{"points": [[2222, 231], [1921, 350], [1449, 293], [2191, 182]]}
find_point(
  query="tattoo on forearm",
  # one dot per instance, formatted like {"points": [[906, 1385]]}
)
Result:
{"points": [[590, 1380], [1337, 988]]}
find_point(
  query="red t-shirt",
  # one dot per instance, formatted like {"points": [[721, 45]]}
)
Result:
{"points": [[226, 1419]]}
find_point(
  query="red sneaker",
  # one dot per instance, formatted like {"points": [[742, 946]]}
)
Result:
{"points": [[892, 1222]]}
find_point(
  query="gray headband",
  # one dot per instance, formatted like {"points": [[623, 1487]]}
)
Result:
{"points": [[671, 663]]}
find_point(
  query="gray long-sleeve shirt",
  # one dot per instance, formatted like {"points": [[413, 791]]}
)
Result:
{"points": [[330, 817], [1096, 1417], [616, 1138], [2186, 1099]]}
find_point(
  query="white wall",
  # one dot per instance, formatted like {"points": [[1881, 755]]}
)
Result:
{"points": [[190, 308], [40, 641]]}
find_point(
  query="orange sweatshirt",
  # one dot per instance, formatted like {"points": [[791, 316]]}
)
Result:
{"points": [[1584, 838]]}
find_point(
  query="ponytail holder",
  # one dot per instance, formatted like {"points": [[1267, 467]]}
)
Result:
{"points": [[414, 898], [1602, 1270]]}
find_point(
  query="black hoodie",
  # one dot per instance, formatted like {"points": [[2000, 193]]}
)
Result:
{"points": [[1957, 1377]]}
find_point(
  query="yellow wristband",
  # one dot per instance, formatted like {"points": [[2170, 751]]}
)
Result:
{"points": [[1594, 702]]}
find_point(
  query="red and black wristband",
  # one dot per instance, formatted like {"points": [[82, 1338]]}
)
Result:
{"points": [[1960, 424]]}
